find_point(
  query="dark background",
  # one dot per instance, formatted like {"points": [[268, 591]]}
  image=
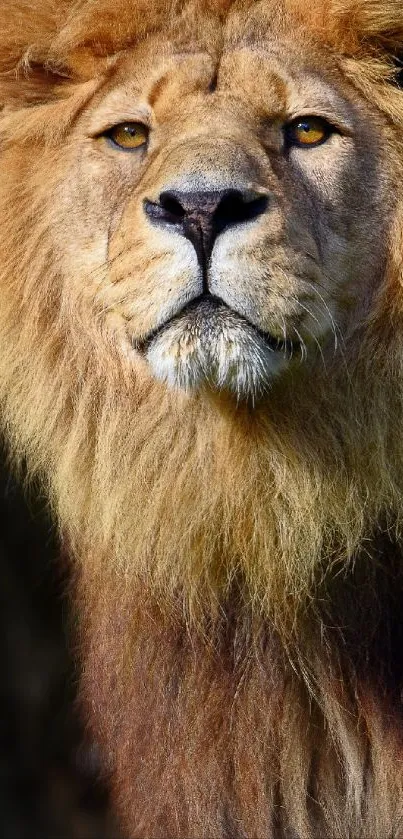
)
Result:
{"points": [[50, 784]]}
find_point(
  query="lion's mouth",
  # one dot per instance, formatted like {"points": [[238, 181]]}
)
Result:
{"points": [[209, 344], [197, 315]]}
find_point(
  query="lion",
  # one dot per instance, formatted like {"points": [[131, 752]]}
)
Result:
{"points": [[201, 362]]}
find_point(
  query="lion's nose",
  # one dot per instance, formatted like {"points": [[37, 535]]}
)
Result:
{"points": [[202, 216]]}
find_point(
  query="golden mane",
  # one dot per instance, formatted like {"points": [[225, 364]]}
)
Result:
{"points": [[241, 551]]}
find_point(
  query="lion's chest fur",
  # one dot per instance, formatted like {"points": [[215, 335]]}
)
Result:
{"points": [[225, 729]]}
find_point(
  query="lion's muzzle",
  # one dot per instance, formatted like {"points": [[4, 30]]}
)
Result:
{"points": [[202, 216], [208, 343]]}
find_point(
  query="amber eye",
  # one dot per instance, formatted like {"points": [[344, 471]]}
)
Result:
{"points": [[308, 131], [128, 135]]}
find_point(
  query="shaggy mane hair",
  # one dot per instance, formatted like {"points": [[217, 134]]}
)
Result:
{"points": [[238, 574]]}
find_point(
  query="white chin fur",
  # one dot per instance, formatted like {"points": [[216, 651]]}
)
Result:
{"points": [[220, 349]]}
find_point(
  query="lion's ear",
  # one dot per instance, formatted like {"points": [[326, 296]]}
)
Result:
{"points": [[27, 29], [31, 83], [44, 43], [369, 26]]}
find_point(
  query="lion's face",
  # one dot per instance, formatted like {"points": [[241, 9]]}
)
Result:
{"points": [[224, 206]]}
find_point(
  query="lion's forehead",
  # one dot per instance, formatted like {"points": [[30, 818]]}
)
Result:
{"points": [[250, 46], [270, 79]]}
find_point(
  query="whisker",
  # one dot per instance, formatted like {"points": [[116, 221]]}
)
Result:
{"points": [[303, 347], [326, 307]]}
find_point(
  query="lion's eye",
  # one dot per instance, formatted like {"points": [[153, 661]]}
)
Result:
{"points": [[308, 131], [128, 135]]}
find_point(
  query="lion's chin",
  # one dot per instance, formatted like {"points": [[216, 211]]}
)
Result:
{"points": [[211, 345]]}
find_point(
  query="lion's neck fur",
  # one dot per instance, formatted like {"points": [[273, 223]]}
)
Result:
{"points": [[194, 492]]}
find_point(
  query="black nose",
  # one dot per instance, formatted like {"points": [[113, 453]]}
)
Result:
{"points": [[202, 216]]}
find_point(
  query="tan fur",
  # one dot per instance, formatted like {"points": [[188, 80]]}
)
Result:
{"points": [[237, 562]]}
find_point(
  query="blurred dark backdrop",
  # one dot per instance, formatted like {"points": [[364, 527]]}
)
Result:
{"points": [[50, 785]]}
